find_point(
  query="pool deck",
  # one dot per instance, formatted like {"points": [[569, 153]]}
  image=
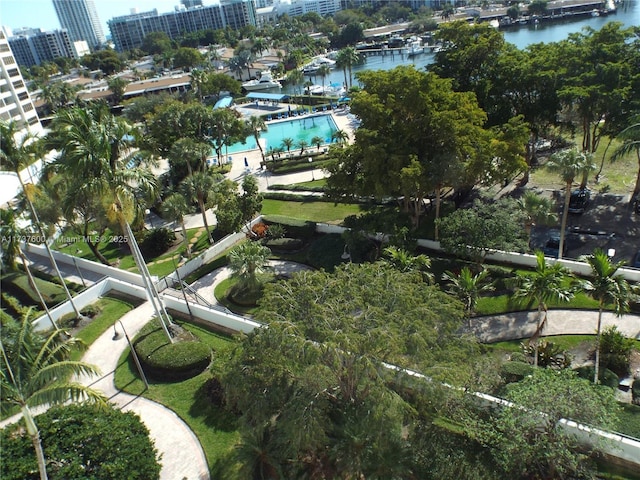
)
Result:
{"points": [[343, 121]]}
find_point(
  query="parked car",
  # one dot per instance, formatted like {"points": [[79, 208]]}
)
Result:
{"points": [[579, 200], [552, 245]]}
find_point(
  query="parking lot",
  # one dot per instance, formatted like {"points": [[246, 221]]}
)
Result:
{"points": [[608, 223]]}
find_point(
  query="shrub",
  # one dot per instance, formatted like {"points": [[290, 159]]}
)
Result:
{"points": [[615, 350], [549, 354], [515, 371], [215, 392], [91, 310], [606, 376], [325, 252], [157, 241], [635, 391], [295, 227], [183, 359], [275, 231], [82, 441], [285, 244], [259, 230]]}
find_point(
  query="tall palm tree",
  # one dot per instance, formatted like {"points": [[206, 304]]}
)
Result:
{"points": [[198, 80], [568, 164], [537, 210], [256, 124], [307, 85], [630, 137], [247, 262], [545, 284], [296, 78], [11, 234], [302, 144], [175, 207], [468, 287], [98, 148], [36, 371], [324, 71], [16, 154], [347, 58], [608, 289], [198, 187]]}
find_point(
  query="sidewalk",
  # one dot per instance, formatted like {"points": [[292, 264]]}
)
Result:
{"points": [[182, 456], [517, 325]]}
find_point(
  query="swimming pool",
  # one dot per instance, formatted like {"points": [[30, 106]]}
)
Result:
{"points": [[300, 128]]}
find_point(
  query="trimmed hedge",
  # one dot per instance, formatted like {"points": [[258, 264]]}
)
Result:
{"points": [[161, 360], [515, 371], [285, 244], [82, 441]]}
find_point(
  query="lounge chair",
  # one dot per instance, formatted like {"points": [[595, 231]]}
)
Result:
{"points": [[269, 118], [324, 108], [279, 116]]}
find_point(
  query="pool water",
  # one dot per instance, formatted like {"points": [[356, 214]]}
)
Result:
{"points": [[298, 128]]}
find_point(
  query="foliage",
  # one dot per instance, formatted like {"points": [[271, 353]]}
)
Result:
{"points": [[285, 244], [549, 354], [635, 395], [615, 350], [295, 227], [606, 377], [83, 441], [325, 252], [247, 262], [157, 241], [184, 358], [514, 371], [468, 287], [106, 60], [472, 232], [527, 444]]}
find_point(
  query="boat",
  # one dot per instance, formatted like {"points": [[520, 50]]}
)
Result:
{"points": [[265, 82], [415, 48], [313, 67], [595, 12], [331, 90]]}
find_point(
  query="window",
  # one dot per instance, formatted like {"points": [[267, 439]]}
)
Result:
{"points": [[18, 84], [9, 60]]}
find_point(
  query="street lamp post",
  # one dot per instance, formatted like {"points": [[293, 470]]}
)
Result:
{"points": [[311, 163]]}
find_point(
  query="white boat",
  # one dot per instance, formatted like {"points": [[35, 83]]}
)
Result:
{"points": [[332, 90], [313, 67], [265, 82], [415, 48]]}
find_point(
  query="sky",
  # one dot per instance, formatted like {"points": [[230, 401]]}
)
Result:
{"points": [[41, 14]]}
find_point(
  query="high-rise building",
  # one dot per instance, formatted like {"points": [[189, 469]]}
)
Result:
{"points": [[15, 101], [32, 46], [128, 31], [80, 18]]}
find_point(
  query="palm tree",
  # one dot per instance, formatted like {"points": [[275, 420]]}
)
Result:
{"points": [[468, 287], [296, 78], [608, 289], [630, 137], [247, 261], [302, 144], [256, 124], [175, 207], [537, 210], [16, 154], [307, 85], [97, 147], [340, 136], [11, 234], [568, 164], [36, 371], [317, 141], [346, 59], [198, 187], [324, 71], [546, 284], [287, 143], [198, 80], [402, 260]]}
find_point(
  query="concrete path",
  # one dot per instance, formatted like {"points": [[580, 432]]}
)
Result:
{"points": [[517, 325], [182, 456]]}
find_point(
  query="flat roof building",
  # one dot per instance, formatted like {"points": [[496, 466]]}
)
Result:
{"points": [[32, 46], [128, 31]]}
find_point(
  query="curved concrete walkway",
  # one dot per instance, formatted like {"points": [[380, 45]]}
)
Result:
{"points": [[182, 456], [517, 325]]}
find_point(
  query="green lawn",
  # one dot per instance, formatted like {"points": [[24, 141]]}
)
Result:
{"points": [[317, 211], [618, 177], [215, 428], [114, 252], [112, 309]]}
